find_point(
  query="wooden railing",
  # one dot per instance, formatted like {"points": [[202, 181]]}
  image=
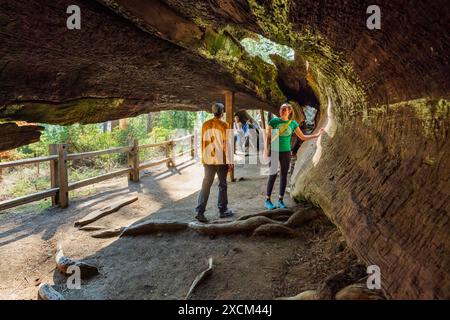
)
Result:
{"points": [[58, 159]]}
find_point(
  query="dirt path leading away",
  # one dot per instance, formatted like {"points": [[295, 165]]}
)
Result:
{"points": [[163, 266]]}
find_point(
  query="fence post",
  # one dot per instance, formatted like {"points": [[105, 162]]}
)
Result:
{"points": [[133, 161], [229, 107], [169, 154], [172, 157], [63, 182], [54, 183], [193, 146]]}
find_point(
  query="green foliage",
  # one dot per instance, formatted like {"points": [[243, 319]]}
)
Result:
{"points": [[264, 48], [24, 180], [175, 119], [90, 137]]}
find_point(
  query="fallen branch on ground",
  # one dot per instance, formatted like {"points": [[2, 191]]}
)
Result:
{"points": [[202, 276], [63, 263], [46, 292], [97, 214], [92, 228], [109, 233]]}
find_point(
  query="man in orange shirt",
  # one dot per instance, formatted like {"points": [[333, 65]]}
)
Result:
{"points": [[217, 157]]}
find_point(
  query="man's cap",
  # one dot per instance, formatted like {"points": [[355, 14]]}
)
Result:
{"points": [[217, 108]]}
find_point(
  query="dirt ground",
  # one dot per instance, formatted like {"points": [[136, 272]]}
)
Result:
{"points": [[163, 266]]}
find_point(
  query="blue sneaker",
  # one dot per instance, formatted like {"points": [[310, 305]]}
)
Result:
{"points": [[281, 204], [269, 205]]}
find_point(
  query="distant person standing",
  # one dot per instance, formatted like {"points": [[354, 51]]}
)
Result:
{"points": [[217, 158], [238, 131], [249, 137]]}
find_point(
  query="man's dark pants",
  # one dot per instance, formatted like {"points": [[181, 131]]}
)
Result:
{"points": [[210, 173]]}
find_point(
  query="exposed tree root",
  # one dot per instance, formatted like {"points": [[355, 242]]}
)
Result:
{"points": [[280, 222], [359, 291], [305, 295], [301, 217], [46, 292], [202, 276], [335, 283], [273, 229], [153, 226], [281, 218], [341, 286], [272, 214], [63, 263], [238, 226], [97, 214]]}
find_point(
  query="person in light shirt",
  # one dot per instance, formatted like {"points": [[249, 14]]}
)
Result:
{"points": [[217, 158]]}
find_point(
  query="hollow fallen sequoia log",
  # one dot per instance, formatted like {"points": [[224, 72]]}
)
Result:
{"points": [[63, 263], [15, 135], [46, 292], [97, 214], [202, 276]]}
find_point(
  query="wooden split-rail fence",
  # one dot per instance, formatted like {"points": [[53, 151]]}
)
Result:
{"points": [[58, 159]]}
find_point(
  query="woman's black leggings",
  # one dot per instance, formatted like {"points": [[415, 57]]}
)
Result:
{"points": [[285, 162]]}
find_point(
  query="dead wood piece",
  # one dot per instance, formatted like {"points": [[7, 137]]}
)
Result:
{"points": [[63, 263], [305, 295], [301, 217], [97, 214], [46, 292], [277, 230], [201, 277], [231, 227], [272, 214], [109, 233], [154, 226]]}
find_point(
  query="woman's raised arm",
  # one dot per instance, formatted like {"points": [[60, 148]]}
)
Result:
{"points": [[305, 137]]}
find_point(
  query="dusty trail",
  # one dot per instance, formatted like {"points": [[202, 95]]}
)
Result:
{"points": [[163, 266]]}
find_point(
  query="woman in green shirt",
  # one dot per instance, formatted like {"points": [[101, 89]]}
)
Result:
{"points": [[280, 141]]}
